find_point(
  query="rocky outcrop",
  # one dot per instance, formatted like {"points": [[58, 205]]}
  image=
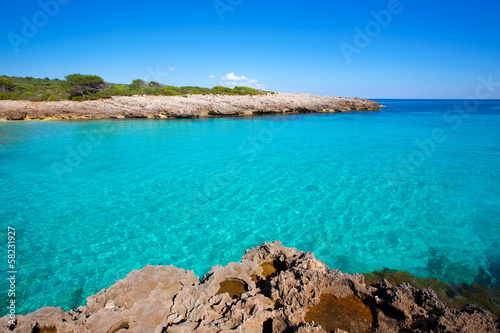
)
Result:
{"points": [[189, 106], [273, 289]]}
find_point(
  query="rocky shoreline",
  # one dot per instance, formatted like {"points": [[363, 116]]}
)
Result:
{"points": [[273, 289], [188, 106]]}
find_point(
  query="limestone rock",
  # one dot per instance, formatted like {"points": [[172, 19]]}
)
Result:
{"points": [[191, 106], [273, 289], [15, 115]]}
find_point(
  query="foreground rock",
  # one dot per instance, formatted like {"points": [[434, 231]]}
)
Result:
{"points": [[189, 106], [273, 289]]}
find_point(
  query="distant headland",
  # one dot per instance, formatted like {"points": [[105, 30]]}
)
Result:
{"points": [[89, 97]]}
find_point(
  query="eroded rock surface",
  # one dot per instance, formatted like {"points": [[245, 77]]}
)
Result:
{"points": [[273, 289], [190, 106]]}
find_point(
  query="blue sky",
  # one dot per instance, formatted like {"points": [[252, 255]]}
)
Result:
{"points": [[425, 49]]}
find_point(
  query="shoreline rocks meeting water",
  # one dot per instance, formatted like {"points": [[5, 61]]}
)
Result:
{"points": [[187, 106], [273, 289]]}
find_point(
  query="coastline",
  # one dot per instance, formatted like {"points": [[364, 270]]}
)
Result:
{"points": [[273, 289], [178, 107]]}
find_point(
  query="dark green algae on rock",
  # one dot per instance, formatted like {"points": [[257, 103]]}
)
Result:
{"points": [[452, 295]]}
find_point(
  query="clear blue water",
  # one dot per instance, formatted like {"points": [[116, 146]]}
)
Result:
{"points": [[93, 200]]}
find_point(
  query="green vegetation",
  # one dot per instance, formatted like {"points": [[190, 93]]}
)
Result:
{"points": [[85, 84], [6, 85], [90, 87]]}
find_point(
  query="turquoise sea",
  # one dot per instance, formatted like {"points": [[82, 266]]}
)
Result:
{"points": [[414, 187]]}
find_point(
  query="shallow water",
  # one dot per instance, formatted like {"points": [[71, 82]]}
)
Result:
{"points": [[93, 200]]}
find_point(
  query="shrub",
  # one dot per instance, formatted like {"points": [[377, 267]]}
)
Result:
{"points": [[6, 85], [155, 84], [138, 84], [85, 84]]}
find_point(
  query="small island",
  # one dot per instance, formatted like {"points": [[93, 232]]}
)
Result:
{"points": [[89, 97]]}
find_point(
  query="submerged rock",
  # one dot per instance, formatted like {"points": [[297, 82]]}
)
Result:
{"points": [[273, 289], [191, 106]]}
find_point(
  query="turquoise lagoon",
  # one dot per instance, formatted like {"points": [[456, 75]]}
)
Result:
{"points": [[414, 187]]}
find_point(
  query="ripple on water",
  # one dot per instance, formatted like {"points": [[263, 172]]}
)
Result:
{"points": [[161, 192]]}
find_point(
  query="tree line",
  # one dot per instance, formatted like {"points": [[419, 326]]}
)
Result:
{"points": [[82, 87]]}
